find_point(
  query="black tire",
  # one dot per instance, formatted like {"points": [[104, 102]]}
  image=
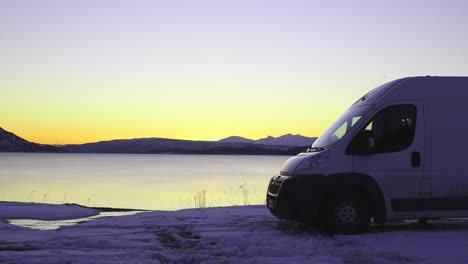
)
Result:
{"points": [[346, 214]]}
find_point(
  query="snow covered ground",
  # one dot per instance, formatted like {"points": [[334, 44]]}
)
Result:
{"points": [[14, 210], [222, 235]]}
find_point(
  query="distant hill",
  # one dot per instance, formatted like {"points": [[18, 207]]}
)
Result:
{"points": [[175, 146], [285, 140], [284, 145], [236, 139], [10, 142]]}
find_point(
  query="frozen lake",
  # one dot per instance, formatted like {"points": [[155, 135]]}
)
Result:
{"points": [[159, 182]]}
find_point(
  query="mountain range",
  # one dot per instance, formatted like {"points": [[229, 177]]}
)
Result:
{"points": [[283, 145], [285, 140]]}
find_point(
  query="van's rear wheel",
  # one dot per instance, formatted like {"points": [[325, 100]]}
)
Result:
{"points": [[347, 214]]}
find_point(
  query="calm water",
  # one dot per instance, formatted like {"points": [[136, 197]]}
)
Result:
{"points": [[164, 182]]}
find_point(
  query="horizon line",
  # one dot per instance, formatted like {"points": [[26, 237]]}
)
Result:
{"points": [[206, 139]]}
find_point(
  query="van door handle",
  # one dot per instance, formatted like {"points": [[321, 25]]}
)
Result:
{"points": [[415, 159]]}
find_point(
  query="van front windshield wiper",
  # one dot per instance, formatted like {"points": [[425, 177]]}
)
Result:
{"points": [[314, 149]]}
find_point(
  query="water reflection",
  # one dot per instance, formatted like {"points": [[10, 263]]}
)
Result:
{"points": [[157, 182]]}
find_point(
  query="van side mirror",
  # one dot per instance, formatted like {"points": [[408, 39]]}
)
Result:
{"points": [[362, 144]]}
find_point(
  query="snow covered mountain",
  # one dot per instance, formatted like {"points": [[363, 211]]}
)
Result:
{"points": [[10, 142], [285, 140]]}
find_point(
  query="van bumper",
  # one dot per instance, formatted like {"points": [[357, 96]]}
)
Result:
{"points": [[296, 197]]}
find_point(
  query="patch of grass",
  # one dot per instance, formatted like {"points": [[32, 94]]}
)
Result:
{"points": [[200, 199]]}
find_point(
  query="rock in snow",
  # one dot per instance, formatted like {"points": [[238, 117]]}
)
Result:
{"points": [[246, 234]]}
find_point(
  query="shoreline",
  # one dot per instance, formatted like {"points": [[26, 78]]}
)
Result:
{"points": [[99, 208], [110, 209], [44, 211], [43, 216]]}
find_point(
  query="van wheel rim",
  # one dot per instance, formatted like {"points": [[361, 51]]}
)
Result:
{"points": [[347, 214]]}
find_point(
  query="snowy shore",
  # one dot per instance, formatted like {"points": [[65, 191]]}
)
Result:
{"points": [[246, 234], [15, 210]]}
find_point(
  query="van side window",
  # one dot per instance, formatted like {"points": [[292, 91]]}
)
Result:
{"points": [[393, 128]]}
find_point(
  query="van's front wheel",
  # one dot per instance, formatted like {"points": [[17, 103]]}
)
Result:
{"points": [[347, 214]]}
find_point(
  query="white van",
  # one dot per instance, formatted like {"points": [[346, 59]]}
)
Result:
{"points": [[399, 152]]}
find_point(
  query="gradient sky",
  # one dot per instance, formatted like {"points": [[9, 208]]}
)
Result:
{"points": [[82, 71]]}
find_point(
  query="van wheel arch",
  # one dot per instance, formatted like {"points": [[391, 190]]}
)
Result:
{"points": [[356, 184]]}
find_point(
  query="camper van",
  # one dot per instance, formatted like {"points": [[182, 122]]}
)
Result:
{"points": [[399, 152]]}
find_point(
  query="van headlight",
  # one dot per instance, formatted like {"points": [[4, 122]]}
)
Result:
{"points": [[312, 161]]}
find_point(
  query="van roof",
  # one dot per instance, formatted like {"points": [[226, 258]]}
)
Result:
{"points": [[418, 88]]}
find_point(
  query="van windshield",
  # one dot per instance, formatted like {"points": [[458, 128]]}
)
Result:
{"points": [[340, 127]]}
